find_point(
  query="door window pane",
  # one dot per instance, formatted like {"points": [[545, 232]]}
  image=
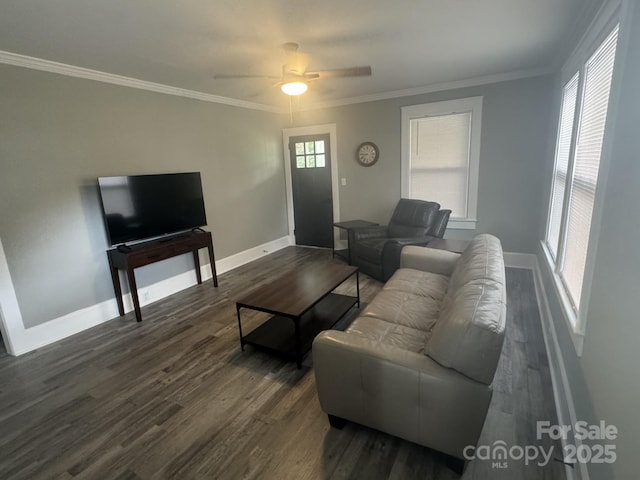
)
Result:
{"points": [[311, 154]]}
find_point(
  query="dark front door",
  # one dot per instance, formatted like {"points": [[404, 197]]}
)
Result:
{"points": [[312, 196]]}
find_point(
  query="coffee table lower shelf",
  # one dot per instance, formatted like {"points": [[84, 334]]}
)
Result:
{"points": [[277, 335]]}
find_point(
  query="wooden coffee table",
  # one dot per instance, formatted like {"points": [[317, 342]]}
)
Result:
{"points": [[302, 304]]}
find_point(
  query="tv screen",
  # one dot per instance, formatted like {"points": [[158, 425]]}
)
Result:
{"points": [[139, 207]]}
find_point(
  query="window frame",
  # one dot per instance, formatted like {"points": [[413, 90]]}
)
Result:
{"points": [[435, 109], [575, 315], [566, 193]]}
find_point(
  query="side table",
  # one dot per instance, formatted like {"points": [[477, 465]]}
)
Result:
{"points": [[349, 225]]}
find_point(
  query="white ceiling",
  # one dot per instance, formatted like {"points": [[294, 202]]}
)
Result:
{"points": [[408, 43]]}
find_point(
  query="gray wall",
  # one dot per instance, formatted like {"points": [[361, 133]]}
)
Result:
{"points": [[57, 134], [604, 381], [513, 153]]}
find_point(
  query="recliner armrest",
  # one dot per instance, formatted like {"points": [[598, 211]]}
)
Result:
{"points": [[392, 250], [428, 260], [440, 225], [365, 233], [416, 241]]}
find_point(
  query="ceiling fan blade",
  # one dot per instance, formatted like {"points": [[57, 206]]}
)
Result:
{"points": [[321, 88], [224, 76], [344, 72]]}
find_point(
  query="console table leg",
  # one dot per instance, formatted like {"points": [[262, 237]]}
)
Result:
{"points": [[212, 261], [196, 263], [115, 278], [134, 293]]}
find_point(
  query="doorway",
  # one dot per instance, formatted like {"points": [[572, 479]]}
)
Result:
{"points": [[312, 184], [310, 159]]}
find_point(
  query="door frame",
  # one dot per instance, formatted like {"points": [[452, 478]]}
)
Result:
{"points": [[11, 323], [325, 129]]}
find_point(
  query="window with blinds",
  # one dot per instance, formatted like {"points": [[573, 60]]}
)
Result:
{"points": [[560, 173], [440, 160], [441, 155], [575, 175]]}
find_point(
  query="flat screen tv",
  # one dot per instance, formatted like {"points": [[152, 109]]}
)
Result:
{"points": [[140, 207]]}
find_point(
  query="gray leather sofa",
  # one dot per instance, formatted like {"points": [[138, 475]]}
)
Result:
{"points": [[419, 361]]}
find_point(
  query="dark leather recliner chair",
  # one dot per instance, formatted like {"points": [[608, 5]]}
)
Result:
{"points": [[376, 250]]}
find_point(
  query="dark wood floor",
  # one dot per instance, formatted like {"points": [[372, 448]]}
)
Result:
{"points": [[174, 397]]}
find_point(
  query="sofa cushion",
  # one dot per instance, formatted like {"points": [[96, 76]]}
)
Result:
{"points": [[468, 336], [425, 284], [402, 308], [380, 331]]}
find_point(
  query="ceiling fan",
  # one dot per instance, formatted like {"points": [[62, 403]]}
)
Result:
{"points": [[295, 77]]}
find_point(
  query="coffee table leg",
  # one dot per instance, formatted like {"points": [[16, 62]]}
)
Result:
{"points": [[240, 328], [296, 321], [358, 286]]}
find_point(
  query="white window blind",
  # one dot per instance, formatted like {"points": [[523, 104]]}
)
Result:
{"points": [[439, 169], [560, 174], [588, 149]]}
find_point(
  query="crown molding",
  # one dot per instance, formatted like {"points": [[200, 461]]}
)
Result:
{"points": [[434, 87], [593, 17], [98, 76]]}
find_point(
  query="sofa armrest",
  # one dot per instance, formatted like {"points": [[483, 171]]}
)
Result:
{"points": [[392, 250], [428, 260], [400, 392]]}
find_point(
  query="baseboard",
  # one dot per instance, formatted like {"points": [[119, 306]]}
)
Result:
{"points": [[242, 258], [24, 340], [565, 407], [563, 398], [528, 261]]}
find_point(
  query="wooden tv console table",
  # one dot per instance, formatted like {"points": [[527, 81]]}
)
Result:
{"points": [[130, 258]]}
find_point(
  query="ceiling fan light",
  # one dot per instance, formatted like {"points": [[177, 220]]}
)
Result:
{"points": [[294, 88]]}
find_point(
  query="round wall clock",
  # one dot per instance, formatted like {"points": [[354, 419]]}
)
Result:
{"points": [[367, 154]]}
